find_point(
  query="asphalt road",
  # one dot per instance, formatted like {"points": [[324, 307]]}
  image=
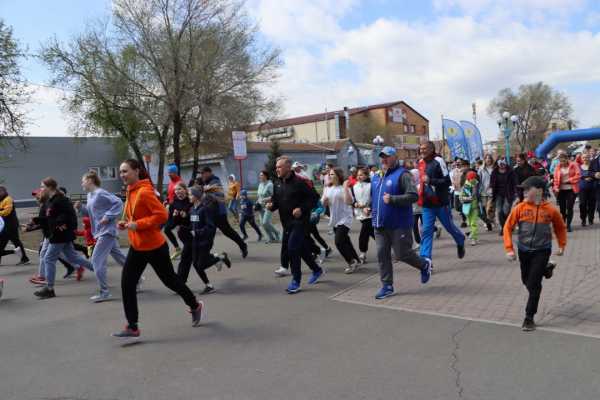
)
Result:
{"points": [[260, 343]]}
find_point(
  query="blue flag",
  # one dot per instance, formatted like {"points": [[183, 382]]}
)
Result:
{"points": [[455, 137], [473, 139]]}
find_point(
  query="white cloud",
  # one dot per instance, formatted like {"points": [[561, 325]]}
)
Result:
{"points": [[45, 114], [440, 66]]}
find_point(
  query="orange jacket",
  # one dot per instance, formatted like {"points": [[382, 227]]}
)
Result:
{"points": [[574, 177], [146, 210], [535, 227]]}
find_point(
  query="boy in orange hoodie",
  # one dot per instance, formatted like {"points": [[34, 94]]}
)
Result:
{"points": [[536, 218]]}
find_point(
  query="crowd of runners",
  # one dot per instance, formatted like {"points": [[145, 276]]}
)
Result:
{"points": [[402, 205]]}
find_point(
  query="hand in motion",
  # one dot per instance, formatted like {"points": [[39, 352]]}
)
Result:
{"points": [[386, 198], [510, 256], [297, 213]]}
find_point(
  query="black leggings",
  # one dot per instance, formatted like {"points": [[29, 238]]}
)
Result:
{"points": [[222, 223], [169, 226], [161, 264], [344, 244], [366, 231], [587, 205], [12, 235], [533, 267], [566, 200], [250, 220], [314, 232]]}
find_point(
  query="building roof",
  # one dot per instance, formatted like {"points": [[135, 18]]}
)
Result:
{"points": [[307, 119]]}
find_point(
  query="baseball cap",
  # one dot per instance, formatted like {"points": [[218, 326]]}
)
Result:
{"points": [[297, 164], [533, 182], [502, 161], [172, 169], [387, 151], [36, 192]]}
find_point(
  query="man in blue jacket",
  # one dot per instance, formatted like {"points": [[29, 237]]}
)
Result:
{"points": [[392, 195]]}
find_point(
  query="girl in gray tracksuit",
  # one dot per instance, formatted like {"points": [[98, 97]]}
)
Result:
{"points": [[103, 209]]}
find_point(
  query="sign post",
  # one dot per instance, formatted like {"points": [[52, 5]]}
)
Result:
{"points": [[239, 150]]}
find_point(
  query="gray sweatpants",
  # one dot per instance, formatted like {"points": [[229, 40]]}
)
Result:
{"points": [[105, 245], [401, 241]]}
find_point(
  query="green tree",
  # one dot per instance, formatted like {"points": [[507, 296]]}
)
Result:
{"points": [[274, 154]]}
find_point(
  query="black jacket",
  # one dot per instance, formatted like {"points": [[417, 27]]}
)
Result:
{"points": [[439, 180], [292, 193], [202, 220], [507, 186], [59, 212]]}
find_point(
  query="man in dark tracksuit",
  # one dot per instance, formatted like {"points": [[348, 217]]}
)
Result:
{"points": [[295, 199], [212, 184]]}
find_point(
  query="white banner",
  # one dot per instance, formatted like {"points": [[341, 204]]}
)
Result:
{"points": [[239, 145]]}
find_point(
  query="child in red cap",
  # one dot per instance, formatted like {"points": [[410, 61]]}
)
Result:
{"points": [[469, 198]]}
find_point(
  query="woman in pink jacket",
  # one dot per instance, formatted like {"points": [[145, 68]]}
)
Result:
{"points": [[566, 186]]}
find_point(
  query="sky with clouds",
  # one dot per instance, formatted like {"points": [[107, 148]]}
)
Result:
{"points": [[439, 56]]}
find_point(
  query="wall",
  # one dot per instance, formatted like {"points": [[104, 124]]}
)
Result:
{"points": [[312, 132], [65, 159]]}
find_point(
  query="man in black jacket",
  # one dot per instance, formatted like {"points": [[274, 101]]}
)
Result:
{"points": [[295, 199], [61, 223]]}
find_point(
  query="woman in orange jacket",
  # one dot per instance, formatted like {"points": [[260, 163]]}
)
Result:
{"points": [[566, 186], [144, 215]]}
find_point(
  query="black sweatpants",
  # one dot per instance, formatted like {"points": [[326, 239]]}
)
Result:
{"points": [[314, 232], [296, 244], [366, 232], [12, 235], [160, 261], [344, 244], [169, 226], [222, 223], [249, 219], [533, 267], [566, 201], [587, 205]]}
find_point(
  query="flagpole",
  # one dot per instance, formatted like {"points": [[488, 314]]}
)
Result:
{"points": [[443, 140]]}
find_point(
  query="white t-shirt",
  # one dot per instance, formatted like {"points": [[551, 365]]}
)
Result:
{"points": [[340, 212], [362, 195], [1, 224]]}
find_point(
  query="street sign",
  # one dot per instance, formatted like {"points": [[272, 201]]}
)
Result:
{"points": [[239, 145]]}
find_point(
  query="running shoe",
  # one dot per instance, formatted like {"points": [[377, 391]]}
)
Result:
{"points": [[426, 271], [328, 251], [24, 261], [282, 272], [225, 259], [197, 314], [550, 269], [176, 254], [463, 225], [385, 291], [244, 250], [293, 287], [315, 276], [473, 242], [460, 250], [45, 293], [528, 325], [259, 239], [352, 267], [100, 297], [489, 226], [37, 280], [127, 333], [69, 273], [79, 274], [208, 289], [362, 257]]}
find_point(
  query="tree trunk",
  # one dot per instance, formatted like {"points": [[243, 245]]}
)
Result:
{"points": [[177, 128], [196, 146]]}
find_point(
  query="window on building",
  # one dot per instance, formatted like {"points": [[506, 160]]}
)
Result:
{"points": [[106, 173], [405, 128], [413, 129], [425, 129]]}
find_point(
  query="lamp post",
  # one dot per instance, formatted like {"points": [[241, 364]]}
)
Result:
{"points": [[378, 142], [507, 124]]}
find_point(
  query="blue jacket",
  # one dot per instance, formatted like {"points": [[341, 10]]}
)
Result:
{"points": [[202, 218], [246, 207], [397, 214], [217, 192]]}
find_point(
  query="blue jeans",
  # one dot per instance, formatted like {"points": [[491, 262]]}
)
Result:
{"points": [[233, 207], [429, 217], [69, 253], [296, 245]]}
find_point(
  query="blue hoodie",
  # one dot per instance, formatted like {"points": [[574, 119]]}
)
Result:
{"points": [[102, 205]]}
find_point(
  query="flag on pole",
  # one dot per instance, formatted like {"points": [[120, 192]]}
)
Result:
{"points": [[455, 137], [473, 139]]}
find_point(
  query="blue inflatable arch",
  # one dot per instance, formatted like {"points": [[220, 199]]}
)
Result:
{"points": [[565, 136]]}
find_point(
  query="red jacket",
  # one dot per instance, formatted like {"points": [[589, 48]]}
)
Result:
{"points": [[574, 177], [171, 189], [86, 233]]}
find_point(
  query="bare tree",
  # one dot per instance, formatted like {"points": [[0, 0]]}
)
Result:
{"points": [[536, 105], [13, 90]]}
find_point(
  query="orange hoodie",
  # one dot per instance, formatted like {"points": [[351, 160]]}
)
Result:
{"points": [[535, 227], [146, 210]]}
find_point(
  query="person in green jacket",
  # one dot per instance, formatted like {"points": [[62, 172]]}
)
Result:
{"points": [[469, 198], [265, 191]]}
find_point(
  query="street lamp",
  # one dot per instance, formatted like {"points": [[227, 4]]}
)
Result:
{"points": [[507, 124], [378, 142]]}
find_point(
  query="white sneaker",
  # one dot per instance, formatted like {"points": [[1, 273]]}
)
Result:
{"points": [[100, 297], [140, 284], [219, 265], [473, 242], [282, 271], [176, 254], [352, 267], [362, 257]]}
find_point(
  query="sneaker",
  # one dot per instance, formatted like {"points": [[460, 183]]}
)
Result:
{"points": [[79, 274], [127, 333], [24, 261], [100, 297], [293, 287], [328, 251], [489, 226], [176, 254], [197, 314], [208, 289], [362, 257], [140, 285], [528, 325], [426, 271], [460, 250], [225, 259], [385, 291], [244, 250], [473, 242], [351, 268], [37, 280], [322, 255], [463, 225], [315, 276], [550, 269], [45, 293], [259, 239], [69, 274], [244, 238], [219, 264], [282, 271]]}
